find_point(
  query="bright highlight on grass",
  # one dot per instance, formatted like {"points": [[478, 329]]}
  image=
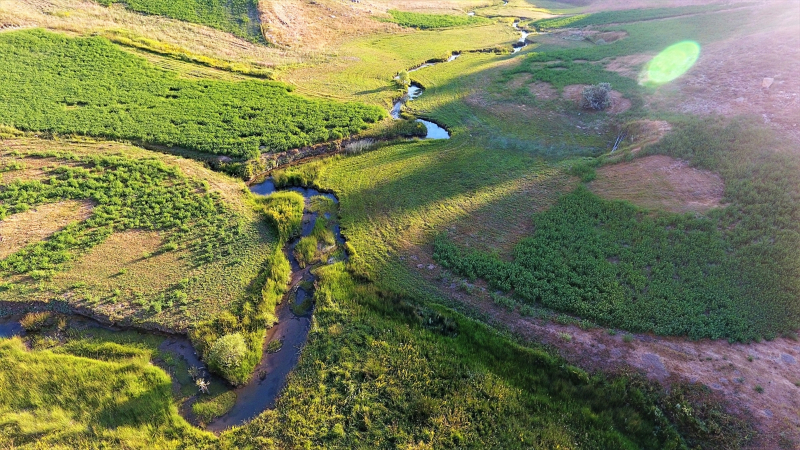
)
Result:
{"points": [[671, 63]]}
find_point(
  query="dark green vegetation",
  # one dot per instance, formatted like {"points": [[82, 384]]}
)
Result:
{"points": [[382, 371], [90, 87], [89, 388], [733, 274], [239, 17], [625, 16], [428, 21]]}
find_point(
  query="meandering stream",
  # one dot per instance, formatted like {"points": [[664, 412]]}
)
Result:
{"points": [[294, 321]]}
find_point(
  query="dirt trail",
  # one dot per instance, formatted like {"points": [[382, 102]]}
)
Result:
{"points": [[732, 370]]}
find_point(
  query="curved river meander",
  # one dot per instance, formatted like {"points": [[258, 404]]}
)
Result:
{"points": [[294, 321]]}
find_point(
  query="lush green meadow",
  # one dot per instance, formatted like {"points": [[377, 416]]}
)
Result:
{"points": [[380, 370], [239, 17], [428, 21], [88, 86], [63, 399]]}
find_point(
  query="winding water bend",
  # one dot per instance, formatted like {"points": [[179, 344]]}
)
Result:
{"points": [[271, 373]]}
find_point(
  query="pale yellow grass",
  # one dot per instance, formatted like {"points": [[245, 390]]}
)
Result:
{"points": [[36, 224], [125, 260]]}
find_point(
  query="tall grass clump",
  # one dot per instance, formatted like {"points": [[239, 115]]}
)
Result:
{"points": [[53, 400]]}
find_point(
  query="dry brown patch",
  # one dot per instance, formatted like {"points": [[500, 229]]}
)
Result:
{"points": [[605, 37], [630, 65], [660, 182], [543, 90], [518, 80], [728, 77], [36, 224], [127, 260], [642, 133]]}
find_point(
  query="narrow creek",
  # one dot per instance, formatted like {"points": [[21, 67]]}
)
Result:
{"points": [[294, 322], [415, 90]]}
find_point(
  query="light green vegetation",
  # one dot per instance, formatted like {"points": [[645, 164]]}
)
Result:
{"points": [[382, 371], [239, 17], [284, 211], [365, 67], [88, 86], [163, 239], [89, 393], [206, 409], [471, 95], [625, 16], [427, 21]]}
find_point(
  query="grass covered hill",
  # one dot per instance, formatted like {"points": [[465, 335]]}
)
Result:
{"points": [[88, 86], [239, 17]]}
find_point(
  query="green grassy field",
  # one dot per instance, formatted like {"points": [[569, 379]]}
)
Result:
{"points": [[64, 399], [393, 359], [381, 370], [88, 86], [428, 21]]}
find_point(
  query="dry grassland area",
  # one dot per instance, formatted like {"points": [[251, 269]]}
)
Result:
{"points": [[424, 224]]}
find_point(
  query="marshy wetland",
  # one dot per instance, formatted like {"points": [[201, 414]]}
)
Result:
{"points": [[384, 224]]}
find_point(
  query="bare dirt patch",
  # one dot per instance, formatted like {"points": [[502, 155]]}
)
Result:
{"points": [[619, 104], [642, 133], [630, 65], [606, 37], [543, 90], [36, 224], [518, 80], [728, 78], [660, 182]]}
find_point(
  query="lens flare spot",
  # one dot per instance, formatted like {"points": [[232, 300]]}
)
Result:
{"points": [[671, 63]]}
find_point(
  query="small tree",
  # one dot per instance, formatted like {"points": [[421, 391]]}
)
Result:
{"points": [[403, 79], [596, 97], [227, 355]]}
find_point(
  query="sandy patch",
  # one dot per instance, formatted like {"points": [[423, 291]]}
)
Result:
{"points": [[36, 224], [660, 182]]}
